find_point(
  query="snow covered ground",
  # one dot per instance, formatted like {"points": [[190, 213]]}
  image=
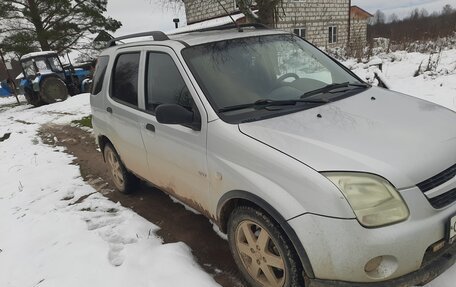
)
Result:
{"points": [[399, 69], [50, 237]]}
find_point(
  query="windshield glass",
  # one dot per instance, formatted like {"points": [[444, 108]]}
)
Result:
{"points": [[242, 71]]}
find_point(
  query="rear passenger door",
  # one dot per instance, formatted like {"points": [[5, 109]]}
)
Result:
{"points": [[176, 153], [123, 111]]}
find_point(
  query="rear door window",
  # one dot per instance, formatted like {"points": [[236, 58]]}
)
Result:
{"points": [[100, 72], [125, 79]]}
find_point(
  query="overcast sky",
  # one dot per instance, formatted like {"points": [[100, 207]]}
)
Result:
{"points": [[147, 15]]}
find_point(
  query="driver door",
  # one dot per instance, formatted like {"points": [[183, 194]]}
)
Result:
{"points": [[176, 154]]}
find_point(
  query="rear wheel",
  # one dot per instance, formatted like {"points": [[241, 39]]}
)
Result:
{"points": [[123, 180], [53, 90], [262, 251]]}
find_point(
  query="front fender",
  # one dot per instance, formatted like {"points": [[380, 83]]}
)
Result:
{"points": [[238, 162]]}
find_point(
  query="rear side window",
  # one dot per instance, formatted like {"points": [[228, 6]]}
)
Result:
{"points": [[125, 79], [164, 84], [100, 72]]}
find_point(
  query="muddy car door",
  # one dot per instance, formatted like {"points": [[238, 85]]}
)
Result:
{"points": [[176, 153], [123, 111]]}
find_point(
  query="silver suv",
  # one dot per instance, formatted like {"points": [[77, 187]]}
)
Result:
{"points": [[317, 178]]}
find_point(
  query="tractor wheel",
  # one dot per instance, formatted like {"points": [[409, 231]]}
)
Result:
{"points": [[33, 98], [53, 90]]}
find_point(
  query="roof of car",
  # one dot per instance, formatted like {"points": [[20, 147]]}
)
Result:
{"points": [[203, 37], [199, 37]]}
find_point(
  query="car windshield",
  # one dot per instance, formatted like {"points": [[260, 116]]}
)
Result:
{"points": [[280, 72]]}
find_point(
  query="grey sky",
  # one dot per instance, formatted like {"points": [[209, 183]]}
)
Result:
{"points": [[143, 15], [147, 15]]}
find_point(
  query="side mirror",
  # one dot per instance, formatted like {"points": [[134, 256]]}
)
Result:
{"points": [[173, 114]]}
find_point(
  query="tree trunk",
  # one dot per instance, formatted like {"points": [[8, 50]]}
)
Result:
{"points": [[35, 18]]}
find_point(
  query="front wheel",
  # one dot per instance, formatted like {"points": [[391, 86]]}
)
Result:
{"points": [[262, 251]]}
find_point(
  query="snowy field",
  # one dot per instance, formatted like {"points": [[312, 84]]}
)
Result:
{"points": [[49, 237]]}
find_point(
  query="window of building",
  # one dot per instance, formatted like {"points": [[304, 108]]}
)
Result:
{"points": [[301, 32], [332, 34], [100, 72], [125, 79], [164, 83]]}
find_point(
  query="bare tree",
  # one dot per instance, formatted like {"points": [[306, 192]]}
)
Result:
{"points": [[447, 9], [379, 18], [424, 13], [393, 18], [419, 26]]}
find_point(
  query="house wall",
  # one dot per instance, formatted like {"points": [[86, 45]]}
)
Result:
{"points": [[358, 31], [200, 10], [316, 16]]}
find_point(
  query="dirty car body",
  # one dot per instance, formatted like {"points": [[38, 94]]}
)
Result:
{"points": [[361, 180]]}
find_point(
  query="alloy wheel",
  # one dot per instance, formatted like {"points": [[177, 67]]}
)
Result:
{"points": [[259, 254], [116, 169]]}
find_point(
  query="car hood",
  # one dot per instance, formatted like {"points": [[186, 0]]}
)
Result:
{"points": [[402, 138]]}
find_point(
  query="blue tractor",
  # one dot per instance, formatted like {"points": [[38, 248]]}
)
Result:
{"points": [[47, 81]]}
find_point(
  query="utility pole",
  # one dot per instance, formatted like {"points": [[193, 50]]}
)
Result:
{"points": [[9, 80]]}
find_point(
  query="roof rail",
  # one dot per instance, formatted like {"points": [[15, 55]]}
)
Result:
{"points": [[157, 35], [227, 27]]}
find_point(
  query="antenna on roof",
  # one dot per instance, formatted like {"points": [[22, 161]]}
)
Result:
{"points": [[231, 17]]}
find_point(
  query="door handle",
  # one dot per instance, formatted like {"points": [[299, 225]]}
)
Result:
{"points": [[109, 110], [150, 127]]}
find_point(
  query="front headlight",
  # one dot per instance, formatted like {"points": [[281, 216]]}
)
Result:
{"points": [[373, 199]]}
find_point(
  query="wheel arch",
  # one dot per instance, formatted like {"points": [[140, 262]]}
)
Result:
{"points": [[232, 199]]}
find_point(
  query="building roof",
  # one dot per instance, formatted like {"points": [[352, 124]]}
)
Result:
{"points": [[357, 12]]}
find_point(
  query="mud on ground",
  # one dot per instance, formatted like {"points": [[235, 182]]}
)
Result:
{"points": [[176, 223]]}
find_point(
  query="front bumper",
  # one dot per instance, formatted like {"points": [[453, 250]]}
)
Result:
{"points": [[339, 249], [428, 272]]}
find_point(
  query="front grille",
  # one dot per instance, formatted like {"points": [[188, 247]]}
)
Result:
{"points": [[437, 180], [443, 200]]}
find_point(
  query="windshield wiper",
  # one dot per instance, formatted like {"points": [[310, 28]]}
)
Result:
{"points": [[264, 103], [332, 87]]}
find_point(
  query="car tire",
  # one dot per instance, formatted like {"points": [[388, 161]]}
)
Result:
{"points": [[124, 181], [261, 250]]}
